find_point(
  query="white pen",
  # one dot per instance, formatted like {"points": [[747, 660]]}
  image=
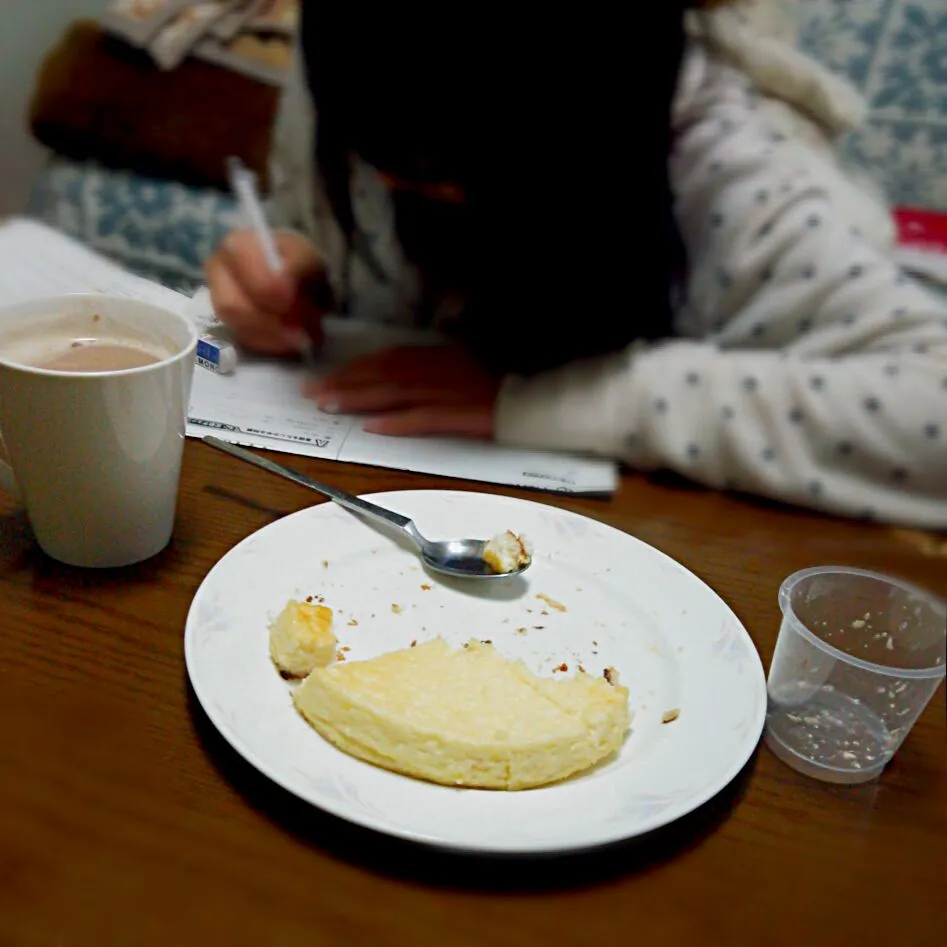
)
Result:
{"points": [[243, 183]]}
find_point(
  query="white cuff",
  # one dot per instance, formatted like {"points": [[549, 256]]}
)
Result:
{"points": [[579, 407]]}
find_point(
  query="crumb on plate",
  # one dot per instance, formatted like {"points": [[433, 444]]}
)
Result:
{"points": [[551, 602]]}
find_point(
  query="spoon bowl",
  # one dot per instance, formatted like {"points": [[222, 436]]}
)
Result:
{"points": [[460, 558]]}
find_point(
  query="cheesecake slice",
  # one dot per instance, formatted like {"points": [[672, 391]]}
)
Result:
{"points": [[464, 717]]}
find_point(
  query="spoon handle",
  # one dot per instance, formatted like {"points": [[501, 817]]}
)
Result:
{"points": [[348, 500]]}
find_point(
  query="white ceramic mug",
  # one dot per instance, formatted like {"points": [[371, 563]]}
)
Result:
{"points": [[96, 456]]}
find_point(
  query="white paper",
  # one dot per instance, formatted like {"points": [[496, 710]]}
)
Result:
{"points": [[37, 261], [261, 404]]}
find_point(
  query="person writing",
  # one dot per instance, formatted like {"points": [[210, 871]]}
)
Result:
{"points": [[656, 258]]}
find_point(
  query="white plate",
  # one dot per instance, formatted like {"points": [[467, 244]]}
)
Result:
{"points": [[674, 642]]}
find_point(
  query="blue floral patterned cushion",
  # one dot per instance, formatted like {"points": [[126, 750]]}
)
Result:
{"points": [[895, 51], [158, 229]]}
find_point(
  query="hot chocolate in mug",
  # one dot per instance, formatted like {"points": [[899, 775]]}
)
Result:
{"points": [[94, 392]]}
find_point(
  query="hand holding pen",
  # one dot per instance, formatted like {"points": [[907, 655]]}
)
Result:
{"points": [[271, 290]]}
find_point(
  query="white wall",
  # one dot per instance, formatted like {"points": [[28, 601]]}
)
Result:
{"points": [[29, 29]]}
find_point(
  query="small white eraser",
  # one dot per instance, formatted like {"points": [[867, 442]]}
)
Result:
{"points": [[217, 355]]}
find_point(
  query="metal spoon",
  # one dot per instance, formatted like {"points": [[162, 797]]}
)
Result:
{"points": [[461, 558]]}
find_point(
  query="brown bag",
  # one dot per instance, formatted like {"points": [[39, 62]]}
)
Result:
{"points": [[96, 98]]}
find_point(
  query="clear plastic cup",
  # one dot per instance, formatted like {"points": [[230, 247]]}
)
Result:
{"points": [[858, 657]]}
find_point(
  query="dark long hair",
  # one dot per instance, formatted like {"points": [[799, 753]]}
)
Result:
{"points": [[556, 126]]}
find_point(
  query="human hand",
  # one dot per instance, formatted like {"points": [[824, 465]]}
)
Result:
{"points": [[413, 391], [269, 312]]}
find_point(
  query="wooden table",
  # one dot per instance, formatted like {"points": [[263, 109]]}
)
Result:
{"points": [[125, 820]]}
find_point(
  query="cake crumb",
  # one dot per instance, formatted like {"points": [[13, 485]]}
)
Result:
{"points": [[508, 552], [325, 563], [309, 600], [669, 716], [340, 655], [521, 631], [425, 588], [562, 667], [414, 643], [551, 602], [611, 675], [351, 623], [301, 638], [396, 608]]}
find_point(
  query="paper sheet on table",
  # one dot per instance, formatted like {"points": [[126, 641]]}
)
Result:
{"points": [[261, 405], [37, 261]]}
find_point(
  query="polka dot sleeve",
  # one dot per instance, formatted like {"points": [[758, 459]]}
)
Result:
{"points": [[814, 372]]}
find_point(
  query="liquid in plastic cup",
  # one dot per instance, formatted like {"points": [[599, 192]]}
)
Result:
{"points": [[858, 657]]}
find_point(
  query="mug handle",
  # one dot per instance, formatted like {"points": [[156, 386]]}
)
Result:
{"points": [[7, 480]]}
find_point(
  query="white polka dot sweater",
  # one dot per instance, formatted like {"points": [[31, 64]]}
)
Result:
{"points": [[806, 369], [809, 369]]}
